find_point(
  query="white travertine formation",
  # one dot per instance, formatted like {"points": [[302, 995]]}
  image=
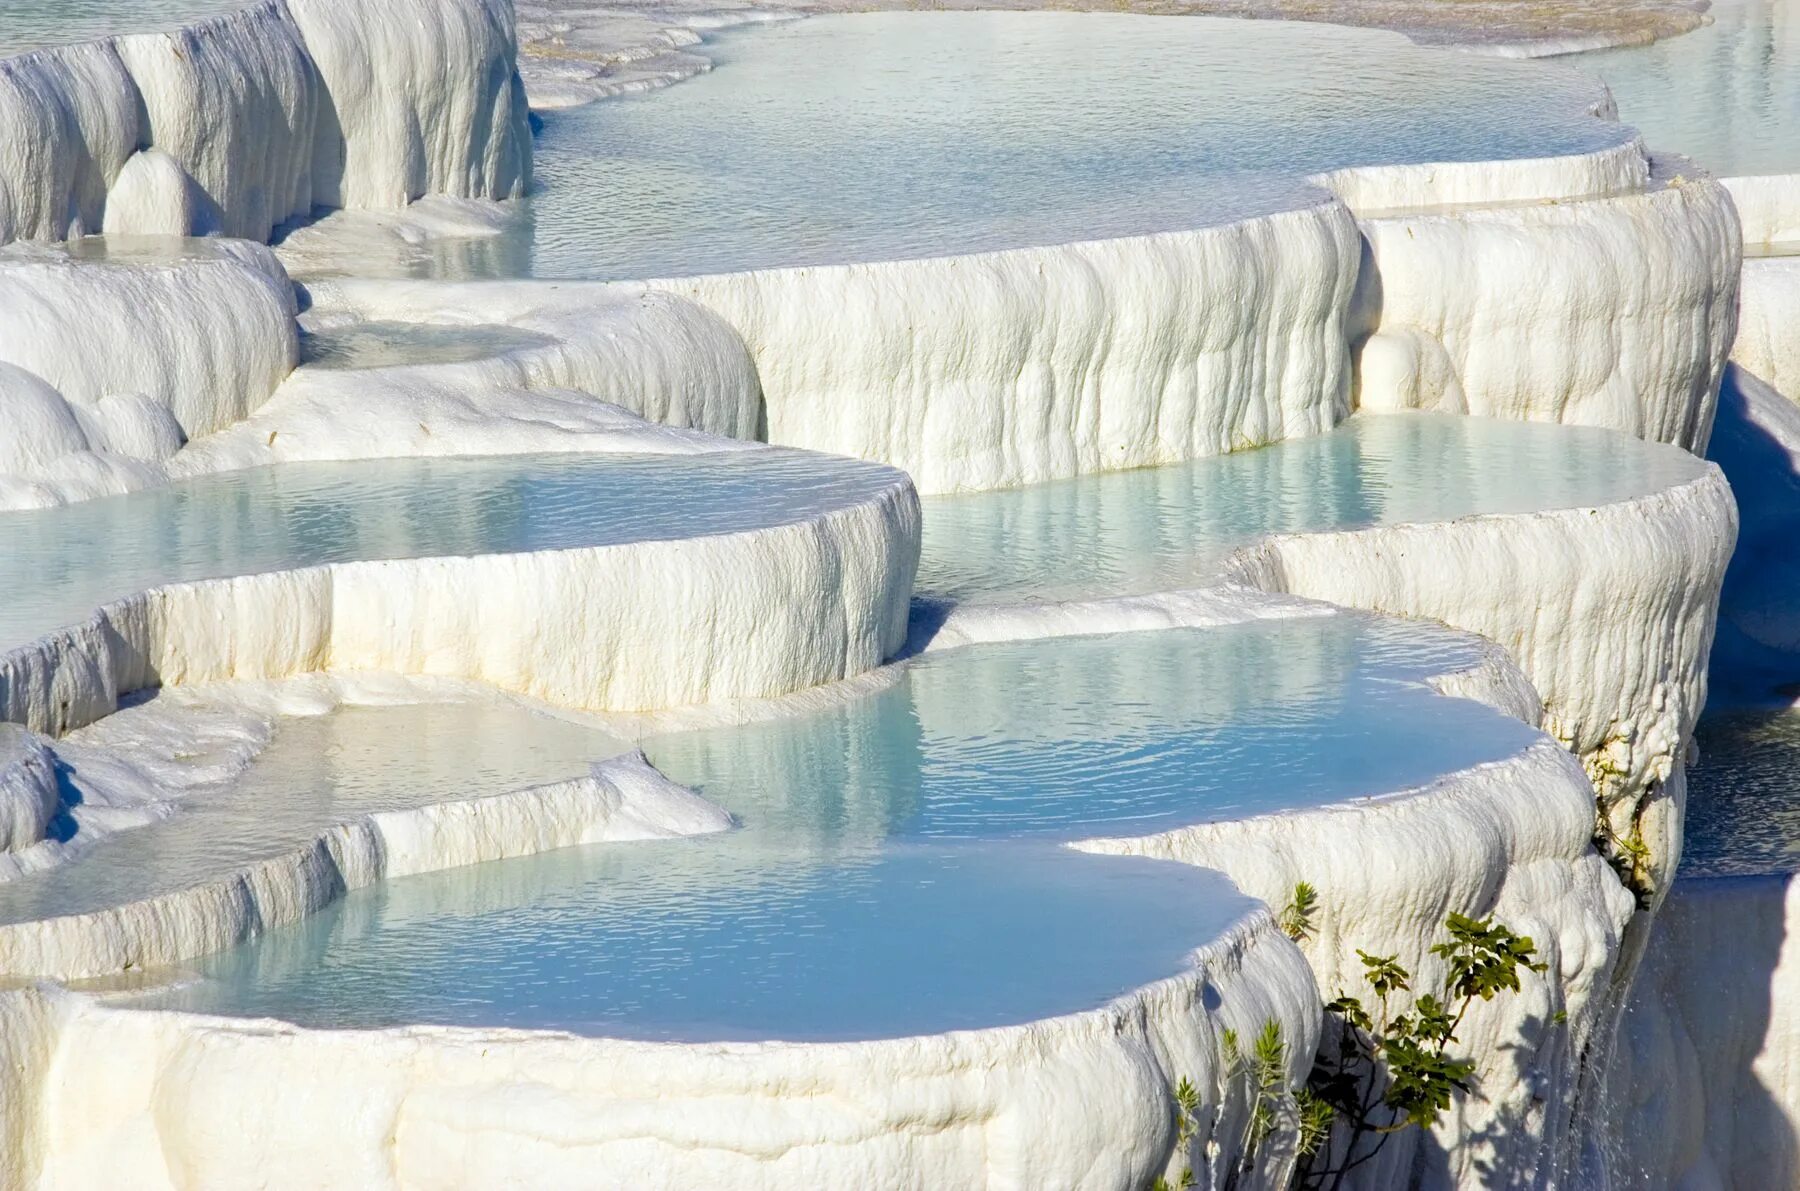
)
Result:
{"points": [[580, 370], [1767, 345], [636, 626], [1002, 368], [1615, 312], [195, 337], [660, 357], [239, 123], [29, 793], [1769, 208], [1370, 190], [621, 799], [1608, 611], [1078, 1101], [205, 332], [974, 372], [1512, 839]]}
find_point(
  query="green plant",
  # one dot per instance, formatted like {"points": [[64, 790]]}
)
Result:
{"points": [[1296, 918], [1263, 1070], [1379, 1071], [1187, 1118]]}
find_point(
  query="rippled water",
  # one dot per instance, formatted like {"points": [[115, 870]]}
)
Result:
{"points": [[1743, 805], [924, 134], [1158, 528], [1727, 95], [32, 24], [58, 565], [710, 939], [317, 772], [1119, 734], [896, 871]]}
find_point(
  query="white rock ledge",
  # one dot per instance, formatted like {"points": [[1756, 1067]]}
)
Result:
{"points": [[1512, 839], [1077, 1101], [235, 124], [1609, 611], [1703, 1082], [624, 798], [636, 626]]}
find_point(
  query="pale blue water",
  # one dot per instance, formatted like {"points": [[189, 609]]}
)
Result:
{"points": [[318, 771], [1727, 95], [1160, 528], [715, 939], [33, 24], [1129, 531], [895, 872], [58, 565], [378, 343], [1743, 804], [897, 135], [1124, 734]]}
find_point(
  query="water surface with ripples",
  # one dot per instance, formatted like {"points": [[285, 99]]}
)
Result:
{"points": [[898, 135], [896, 870]]}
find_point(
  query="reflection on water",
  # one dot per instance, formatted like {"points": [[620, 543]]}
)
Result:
{"points": [[1167, 527], [1727, 95], [57, 565], [896, 869]]}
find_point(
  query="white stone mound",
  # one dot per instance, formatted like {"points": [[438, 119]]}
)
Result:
{"points": [[240, 123]]}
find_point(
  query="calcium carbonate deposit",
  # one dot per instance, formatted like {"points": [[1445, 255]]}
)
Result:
{"points": [[771, 596]]}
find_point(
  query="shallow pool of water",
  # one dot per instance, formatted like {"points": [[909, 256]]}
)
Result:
{"points": [[1727, 95], [318, 771], [896, 871], [1122, 734], [33, 24], [710, 939], [379, 343], [58, 565], [901, 135], [1168, 527]]}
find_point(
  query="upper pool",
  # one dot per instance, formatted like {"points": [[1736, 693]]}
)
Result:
{"points": [[34, 24], [1155, 529], [901, 135], [1727, 94], [896, 871], [57, 565]]}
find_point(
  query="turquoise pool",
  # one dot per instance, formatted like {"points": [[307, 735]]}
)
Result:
{"points": [[1727, 94], [896, 871], [1168, 527], [59, 564]]}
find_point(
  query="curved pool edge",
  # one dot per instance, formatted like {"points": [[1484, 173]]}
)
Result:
{"points": [[1016, 1103], [621, 799]]}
